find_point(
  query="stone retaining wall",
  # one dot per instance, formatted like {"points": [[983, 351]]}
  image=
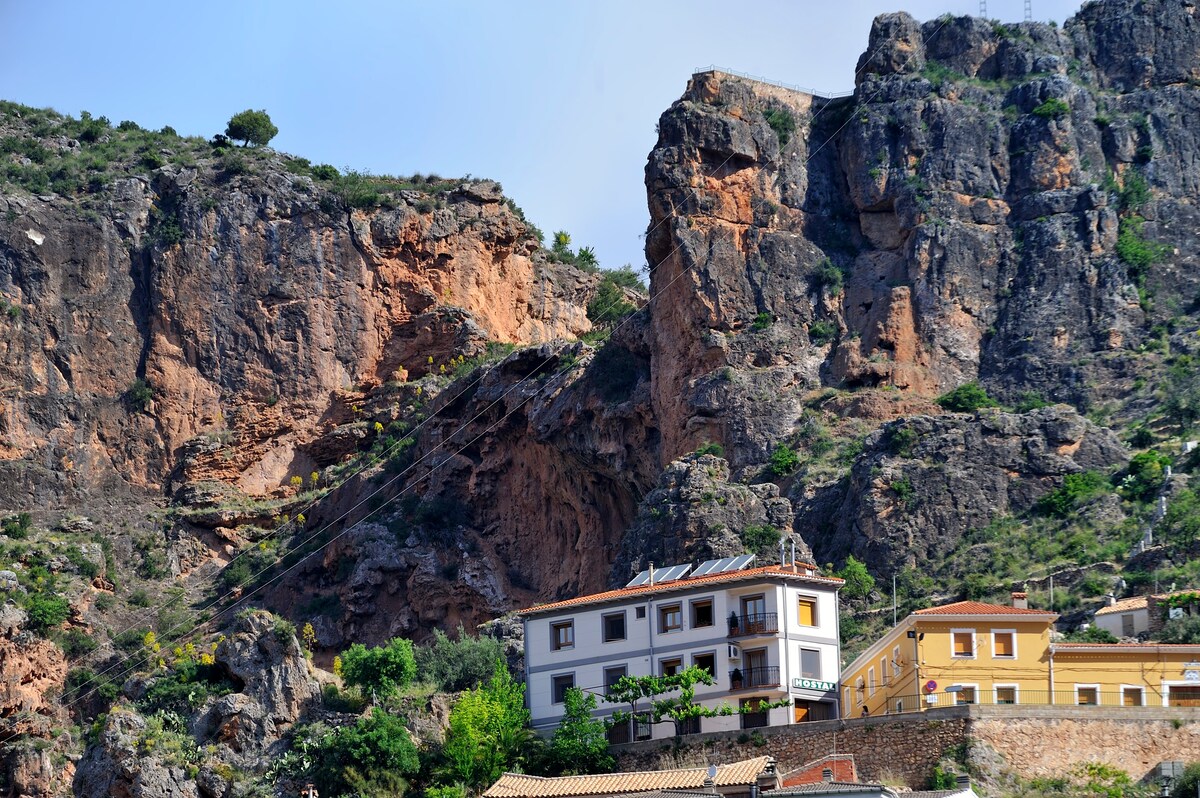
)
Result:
{"points": [[1034, 741]]}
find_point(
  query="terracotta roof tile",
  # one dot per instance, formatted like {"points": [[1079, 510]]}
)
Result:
{"points": [[680, 584], [1126, 605], [979, 608], [518, 785], [842, 766]]}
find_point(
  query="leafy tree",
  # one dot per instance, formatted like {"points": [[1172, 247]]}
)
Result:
{"points": [[1181, 524], [966, 398], [1181, 394], [384, 669], [679, 708], [1186, 786], [460, 663], [561, 245], [784, 460], [488, 731], [371, 758], [1076, 489], [1144, 475], [859, 582], [579, 744], [759, 537], [251, 127], [46, 610], [1181, 630]]}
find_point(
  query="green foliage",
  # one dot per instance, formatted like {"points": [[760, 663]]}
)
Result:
{"points": [[458, 663], [1135, 191], [251, 127], [941, 779], [759, 537], [324, 171], [1105, 781], [378, 741], [1135, 251], [17, 526], [139, 395], [664, 705], [763, 321], [821, 332], [1052, 109], [783, 122], [1181, 630], [86, 567], [830, 276], [75, 643], [384, 669], [966, 398], [1075, 490], [713, 448], [1181, 523], [1029, 400], [1092, 634], [46, 610], [610, 303], [1187, 785], [1143, 477], [901, 440], [488, 731], [85, 684], [904, 491], [783, 460], [372, 757], [579, 744], [184, 690], [1180, 396], [859, 582]]}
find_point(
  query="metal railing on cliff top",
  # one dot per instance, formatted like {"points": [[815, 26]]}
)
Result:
{"points": [[826, 95]]}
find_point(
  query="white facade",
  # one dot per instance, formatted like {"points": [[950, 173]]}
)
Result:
{"points": [[766, 650]]}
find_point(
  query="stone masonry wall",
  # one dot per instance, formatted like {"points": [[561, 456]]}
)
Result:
{"points": [[1033, 741]]}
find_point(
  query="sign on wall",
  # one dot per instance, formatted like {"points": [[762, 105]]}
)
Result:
{"points": [[813, 684]]}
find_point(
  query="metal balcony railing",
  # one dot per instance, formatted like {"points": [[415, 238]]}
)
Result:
{"points": [[760, 623], [754, 678]]}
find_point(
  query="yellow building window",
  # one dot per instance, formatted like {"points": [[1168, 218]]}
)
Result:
{"points": [[1131, 697], [808, 612], [965, 694], [1006, 695], [964, 643], [1087, 696], [1005, 644]]}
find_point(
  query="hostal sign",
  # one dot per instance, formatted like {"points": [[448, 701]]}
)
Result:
{"points": [[813, 684]]}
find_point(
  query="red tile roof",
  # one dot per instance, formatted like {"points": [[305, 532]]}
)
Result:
{"points": [[979, 608], [683, 584], [1132, 648], [518, 785], [842, 766]]}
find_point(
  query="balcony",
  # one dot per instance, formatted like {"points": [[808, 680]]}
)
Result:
{"points": [[760, 623], [754, 678]]}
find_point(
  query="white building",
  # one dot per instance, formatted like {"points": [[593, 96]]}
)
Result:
{"points": [[764, 633]]}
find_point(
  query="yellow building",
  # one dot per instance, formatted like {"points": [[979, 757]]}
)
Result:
{"points": [[974, 653], [962, 653]]}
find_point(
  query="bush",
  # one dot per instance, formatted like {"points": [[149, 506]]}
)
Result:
{"points": [[46, 610], [762, 321], [901, 441], [821, 332], [783, 122], [830, 276], [17, 526], [459, 663], [1076, 489], [784, 460], [75, 643], [1185, 630], [759, 537], [1144, 476], [86, 568], [859, 582], [966, 398], [1135, 251], [609, 305], [1052, 109], [139, 395], [324, 171], [251, 127], [1092, 634], [579, 744], [1135, 191], [712, 448], [383, 669]]}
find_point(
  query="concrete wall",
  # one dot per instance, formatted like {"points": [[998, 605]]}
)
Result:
{"points": [[1034, 741]]}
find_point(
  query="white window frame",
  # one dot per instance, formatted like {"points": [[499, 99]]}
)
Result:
{"points": [[883, 671], [871, 680], [974, 644], [1140, 687], [996, 688], [816, 613], [975, 691], [896, 668], [1165, 689], [860, 690], [1095, 687], [1012, 632]]}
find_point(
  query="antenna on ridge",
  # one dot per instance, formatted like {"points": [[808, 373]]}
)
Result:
{"points": [[983, 8], [1029, 10]]}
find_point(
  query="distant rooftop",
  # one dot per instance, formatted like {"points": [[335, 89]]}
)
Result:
{"points": [[979, 608], [519, 785]]}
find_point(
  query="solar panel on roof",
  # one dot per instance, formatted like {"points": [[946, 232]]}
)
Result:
{"points": [[723, 565], [705, 567], [672, 573], [640, 579], [740, 562]]}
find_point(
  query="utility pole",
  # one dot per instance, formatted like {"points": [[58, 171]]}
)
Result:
{"points": [[894, 580], [983, 8], [1029, 10]]}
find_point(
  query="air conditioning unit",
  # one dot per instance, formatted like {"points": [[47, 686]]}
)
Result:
{"points": [[734, 652]]}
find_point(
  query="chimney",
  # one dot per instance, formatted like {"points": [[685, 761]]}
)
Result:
{"points": [[651, 574], [1110, 600], [826, 775], [1020, 600], [962, 782]]}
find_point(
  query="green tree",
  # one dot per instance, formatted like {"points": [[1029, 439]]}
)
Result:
{"points": [[681, 708], [488, 731], [1144, 475], [46, 610], [966, 398], [1186, 785], [251, 127], [561, 246], [1181, 523], [384, 669], [460, 663], [1181, 394], [859, 582], [784, 460], [579, 744]]}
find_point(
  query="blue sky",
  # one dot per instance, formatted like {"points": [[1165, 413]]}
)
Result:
{"points": [[557, 100]]}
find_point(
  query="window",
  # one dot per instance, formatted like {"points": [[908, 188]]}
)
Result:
{"points": [[670, 619], [810, 663], [964, 642], [858, 690], [1004, 644], [1087, 695], [752, 716], [689, 726], [639, 613], [560, 685], [871, 680], [1006, 694], [1182, 695], [614, 627], [562, 635], [670, 667], [1127, 625], [808, 612], [897, 667], [612, 676], [620, 732], [706, 661], [883, 669], [965, 695], [1132, 697], [702, 613]]}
